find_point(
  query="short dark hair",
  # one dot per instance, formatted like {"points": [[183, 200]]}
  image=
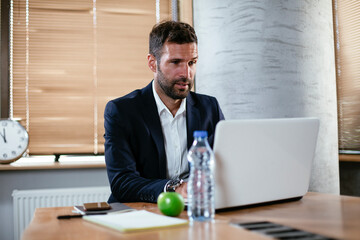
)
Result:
{"points": [[170, 31]]}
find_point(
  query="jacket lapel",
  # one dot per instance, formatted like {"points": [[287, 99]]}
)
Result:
{"points": [[192, 118], [152, 120]]}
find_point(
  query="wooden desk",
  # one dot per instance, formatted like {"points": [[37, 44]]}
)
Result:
{"points": [[330, 215]]}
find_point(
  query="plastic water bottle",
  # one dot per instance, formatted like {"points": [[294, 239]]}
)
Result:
{"points": [[200, 188]]}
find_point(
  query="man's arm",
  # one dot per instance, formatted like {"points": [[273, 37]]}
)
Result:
{"points": [[217, 116], [126, 183]]}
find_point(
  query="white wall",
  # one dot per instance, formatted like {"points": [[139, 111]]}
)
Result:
{"points": [[273, 59]]}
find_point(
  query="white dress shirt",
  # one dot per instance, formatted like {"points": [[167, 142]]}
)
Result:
{"points": [[175, 138]]}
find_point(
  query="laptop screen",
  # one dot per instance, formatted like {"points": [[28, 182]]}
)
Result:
{"points": [[263, 160]]}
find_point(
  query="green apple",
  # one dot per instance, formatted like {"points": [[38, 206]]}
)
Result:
{"points": [[171, 203]]}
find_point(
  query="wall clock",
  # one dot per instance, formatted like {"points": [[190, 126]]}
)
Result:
{"points": [[14, 140]]}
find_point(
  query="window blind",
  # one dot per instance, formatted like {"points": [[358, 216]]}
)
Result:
{"points": [[347, 43], [68, 59]]}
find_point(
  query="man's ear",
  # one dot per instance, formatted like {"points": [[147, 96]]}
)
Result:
{"points": [[152, 62]]}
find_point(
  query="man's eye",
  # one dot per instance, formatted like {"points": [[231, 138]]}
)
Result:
{"points": [[192, 63], [175, 62]]}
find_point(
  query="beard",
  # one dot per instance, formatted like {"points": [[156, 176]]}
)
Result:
{"points": [[168, 86]]}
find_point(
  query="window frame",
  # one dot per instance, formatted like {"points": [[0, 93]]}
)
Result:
{"points": [[352, 155], [4, 83], [185, 14]]}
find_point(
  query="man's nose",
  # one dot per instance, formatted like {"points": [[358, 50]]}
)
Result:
{"points": [[185, 71]]}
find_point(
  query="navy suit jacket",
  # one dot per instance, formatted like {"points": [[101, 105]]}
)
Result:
{"points": [[134, 144]]}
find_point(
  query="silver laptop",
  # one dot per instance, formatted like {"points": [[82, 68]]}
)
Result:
{"points": [[263, 160]]}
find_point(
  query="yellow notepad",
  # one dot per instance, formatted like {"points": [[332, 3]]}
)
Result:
{"points": [[135, 220]]}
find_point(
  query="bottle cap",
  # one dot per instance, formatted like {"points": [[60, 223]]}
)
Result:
{"points": [[201, 134]]}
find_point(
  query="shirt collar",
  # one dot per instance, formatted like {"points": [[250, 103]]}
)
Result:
{"points": [[161, 106]]}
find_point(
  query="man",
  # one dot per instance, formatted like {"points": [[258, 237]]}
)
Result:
{"points": [[148, 132]]}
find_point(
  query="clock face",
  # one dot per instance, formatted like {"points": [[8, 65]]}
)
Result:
{"points": [[14, 140]]}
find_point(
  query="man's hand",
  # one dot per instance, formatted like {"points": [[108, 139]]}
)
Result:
{"points": [[182, 189]]}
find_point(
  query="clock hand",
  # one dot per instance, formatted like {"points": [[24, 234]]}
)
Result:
{"points": [[4, 135]]}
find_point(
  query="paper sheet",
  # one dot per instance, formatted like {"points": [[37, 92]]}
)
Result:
{"points": [[135, 220]]}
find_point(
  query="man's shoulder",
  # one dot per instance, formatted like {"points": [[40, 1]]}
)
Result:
{"points": [[200, 95], [198, 98], [128, 98], [131, 98]]}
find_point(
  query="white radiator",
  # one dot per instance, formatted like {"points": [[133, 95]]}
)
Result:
{"points": [[25, 202]]}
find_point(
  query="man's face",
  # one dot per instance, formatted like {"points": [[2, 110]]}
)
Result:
{"points": [[176, 69]]}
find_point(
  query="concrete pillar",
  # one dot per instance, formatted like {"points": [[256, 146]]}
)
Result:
{"points": [[273, 59]]}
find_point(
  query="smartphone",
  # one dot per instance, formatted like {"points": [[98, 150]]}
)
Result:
{"points": [[96, 206]]}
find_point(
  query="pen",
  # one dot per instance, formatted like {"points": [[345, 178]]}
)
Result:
{"points": [[69, 216], [77, 215]]}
